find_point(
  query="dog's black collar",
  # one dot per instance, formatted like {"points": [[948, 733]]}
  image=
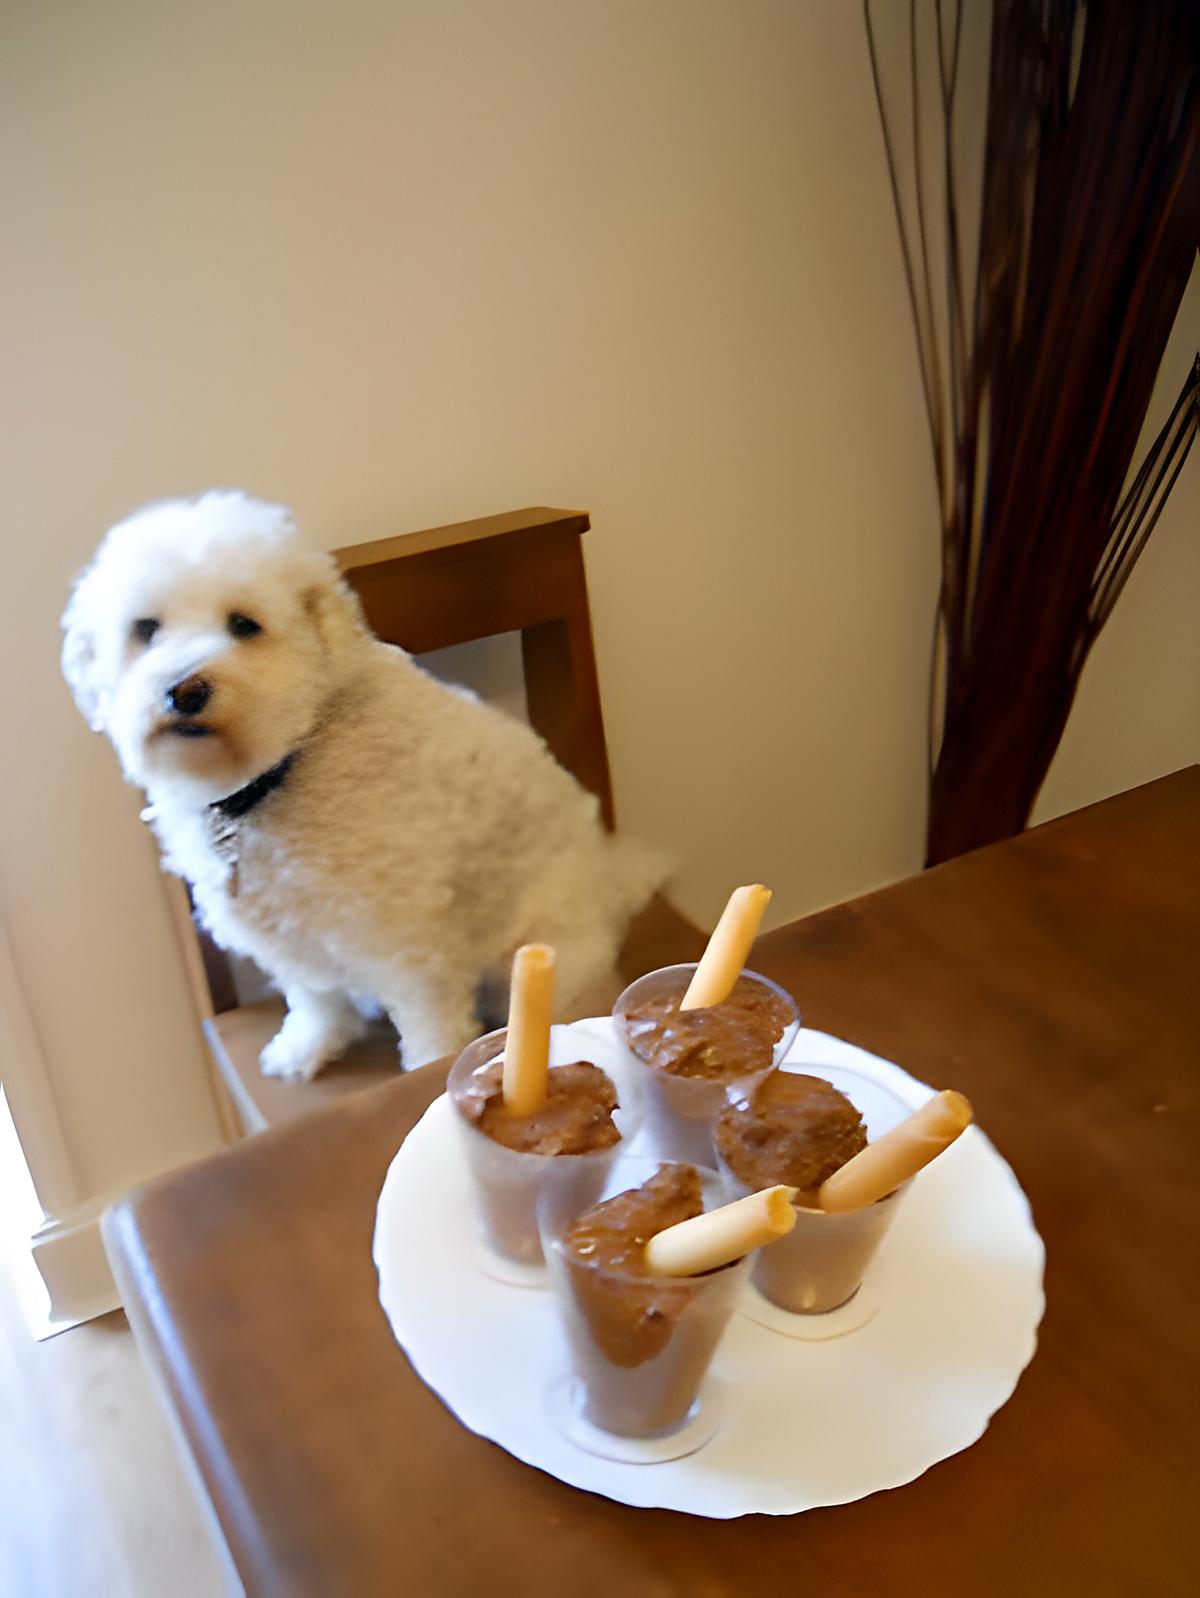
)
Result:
{"points": [[236, 805]]}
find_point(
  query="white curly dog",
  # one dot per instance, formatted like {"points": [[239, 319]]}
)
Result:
{"points": [[360, 830]]}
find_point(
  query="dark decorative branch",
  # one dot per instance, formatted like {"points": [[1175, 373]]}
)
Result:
{"points": [[1089, 222], [1145, 498]]}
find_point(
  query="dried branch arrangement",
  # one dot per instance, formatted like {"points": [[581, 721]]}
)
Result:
{"points": [[1037, 378]]}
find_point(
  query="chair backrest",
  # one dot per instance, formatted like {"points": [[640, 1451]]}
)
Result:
{"points": [[520, 572]]}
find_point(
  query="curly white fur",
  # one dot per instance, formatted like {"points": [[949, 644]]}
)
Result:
{"points": [[418, 837]]}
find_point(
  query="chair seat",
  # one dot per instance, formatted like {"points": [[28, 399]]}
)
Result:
{"points": [[659, 936]]}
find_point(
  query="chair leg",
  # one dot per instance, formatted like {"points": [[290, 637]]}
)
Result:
{"points": [[562, 692]]}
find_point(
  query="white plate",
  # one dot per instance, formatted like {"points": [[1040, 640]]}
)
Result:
{"points": [[806, 1423]]}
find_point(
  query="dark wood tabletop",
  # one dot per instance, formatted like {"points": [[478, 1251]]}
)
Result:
{"points": [[1056, 980]]}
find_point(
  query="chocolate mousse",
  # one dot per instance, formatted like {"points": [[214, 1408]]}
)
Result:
{"points": [[632, 1320], [723, 1042], [641, 1343], [801, 1130], [576, 1116], [794, 1128]]}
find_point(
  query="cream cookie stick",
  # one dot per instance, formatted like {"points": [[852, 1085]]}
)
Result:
{"points": [[707, 1241], [527, 1051], [722, 961], [882, 1166]]}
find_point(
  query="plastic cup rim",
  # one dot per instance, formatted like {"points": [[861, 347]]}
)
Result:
{"points": [[690, 966], [473, 1131]]}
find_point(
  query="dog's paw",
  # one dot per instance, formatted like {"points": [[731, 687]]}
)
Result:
{"points": [[317, 1028], [294, 1062]]}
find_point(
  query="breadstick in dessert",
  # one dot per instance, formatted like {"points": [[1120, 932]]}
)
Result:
{"points": [[723, 959], [527, 1051], [879, 1169], [706, 1241]]}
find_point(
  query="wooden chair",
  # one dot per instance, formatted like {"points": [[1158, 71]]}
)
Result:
{"points": [[519, 572]]}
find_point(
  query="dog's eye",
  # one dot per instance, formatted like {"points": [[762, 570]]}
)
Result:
{"points": [[145, 627], [242, 626]]}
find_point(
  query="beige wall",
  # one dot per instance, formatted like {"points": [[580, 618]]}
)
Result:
{"points": [[401, 263]]}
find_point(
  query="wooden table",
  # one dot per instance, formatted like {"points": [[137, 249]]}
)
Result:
{"points": [[1056, 980]]}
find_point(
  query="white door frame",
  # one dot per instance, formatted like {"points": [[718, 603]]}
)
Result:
{"points": [[67, 1247]]}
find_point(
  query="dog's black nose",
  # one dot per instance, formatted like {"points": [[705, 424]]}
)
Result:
{"points": [[189, 697]]}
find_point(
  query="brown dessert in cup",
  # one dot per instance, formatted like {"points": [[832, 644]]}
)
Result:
{"points": [[525, 1121], [705, 1033], [647, 1280], [804, 1131]]}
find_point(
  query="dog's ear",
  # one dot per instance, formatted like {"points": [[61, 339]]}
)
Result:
{"points": [[334, 608], [80, 657]]}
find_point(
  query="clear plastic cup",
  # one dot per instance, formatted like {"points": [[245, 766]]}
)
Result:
{"points": [[679, 1110], [507, 1182], [819, 1265], [640, 1345]]}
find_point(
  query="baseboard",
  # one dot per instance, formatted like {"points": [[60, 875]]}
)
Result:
{"points": [[69, 1254]]}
